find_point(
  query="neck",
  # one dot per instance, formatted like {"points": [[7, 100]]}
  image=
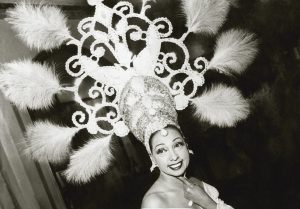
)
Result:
{"points": [[171, 182]]}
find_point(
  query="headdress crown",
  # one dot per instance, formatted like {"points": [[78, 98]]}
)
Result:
{"points": [[152, 60], [140, 89]]}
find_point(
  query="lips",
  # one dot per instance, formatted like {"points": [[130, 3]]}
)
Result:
{"points": [[176, 166]]}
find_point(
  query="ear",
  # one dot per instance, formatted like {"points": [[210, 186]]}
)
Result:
{"points": [[186, 144], [152, 159], [153, 162]]}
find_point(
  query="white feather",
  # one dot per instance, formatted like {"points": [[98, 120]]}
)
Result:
{"points": [[29, 84], [234, 51], [235, 3], [42, 27], [222, 106], [92, 159], [49, 142], [205, 15]]}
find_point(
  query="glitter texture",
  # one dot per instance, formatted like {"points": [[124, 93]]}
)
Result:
{"points": [[153, 108]]}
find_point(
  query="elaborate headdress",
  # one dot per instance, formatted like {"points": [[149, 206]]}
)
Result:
{"points": [[138, 92]]}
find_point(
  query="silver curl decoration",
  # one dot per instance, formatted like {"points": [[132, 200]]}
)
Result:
{"points": [[109, 91], [124, 7], [112, 116], [136, 30], [97, 91], [169, 58], [178, 87], [72, 63], [159, 68], [198, 65], [85, 24], [163, 23], [78, 119], [183, 48]]}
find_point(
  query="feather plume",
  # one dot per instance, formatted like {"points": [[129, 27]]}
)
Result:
{"points": [[49, 142], [29, 84], [221, 105], [42, 27], [235, 3], [92, 159], [234, 51], [205, 15]]}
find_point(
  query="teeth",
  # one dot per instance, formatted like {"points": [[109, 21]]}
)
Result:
{"points": [[177, 165]]}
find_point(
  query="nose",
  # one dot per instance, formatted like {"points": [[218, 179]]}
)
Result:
{"points": [[173, 155]]}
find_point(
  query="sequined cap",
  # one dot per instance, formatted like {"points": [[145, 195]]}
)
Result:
{"points": [[147, 106]]}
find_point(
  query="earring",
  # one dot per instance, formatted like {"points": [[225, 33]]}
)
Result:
{"points": [[191, 151]]}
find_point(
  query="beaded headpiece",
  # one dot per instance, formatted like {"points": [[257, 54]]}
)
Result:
{"points": [[147, 106], [138, 92]]}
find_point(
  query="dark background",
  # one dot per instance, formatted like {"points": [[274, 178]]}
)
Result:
{"points": [[254, 165]]}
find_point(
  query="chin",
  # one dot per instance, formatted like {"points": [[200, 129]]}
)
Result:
{"points": [[176, 174]]}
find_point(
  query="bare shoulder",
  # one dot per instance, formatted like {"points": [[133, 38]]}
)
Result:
{"points": [[153, 200]]}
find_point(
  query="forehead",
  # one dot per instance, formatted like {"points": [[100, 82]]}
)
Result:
{"points": [[158, 138]]}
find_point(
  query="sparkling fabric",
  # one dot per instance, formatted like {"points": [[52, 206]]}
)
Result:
{"points": [[147, 106]]}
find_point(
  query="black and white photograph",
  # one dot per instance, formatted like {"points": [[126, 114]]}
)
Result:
{"points": [[135, 104]]}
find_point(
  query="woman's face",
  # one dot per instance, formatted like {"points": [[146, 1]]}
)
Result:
{"points": [[170, 152]]}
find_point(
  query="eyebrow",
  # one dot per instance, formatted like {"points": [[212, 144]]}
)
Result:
{"points": [[172, 141], [177, 138], [158, 145]]}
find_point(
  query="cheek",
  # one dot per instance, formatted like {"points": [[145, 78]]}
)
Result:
{"points": [[184, 153], [160, 160]]}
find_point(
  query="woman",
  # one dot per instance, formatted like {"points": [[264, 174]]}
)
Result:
{"points": [[141, 91], [169, 152]]}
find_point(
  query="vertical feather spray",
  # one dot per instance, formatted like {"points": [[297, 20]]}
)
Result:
{"points": [[222, 106], [29, 84], [92, 159], [234, 51], [41, 27], [49, 142], [205, 15]]}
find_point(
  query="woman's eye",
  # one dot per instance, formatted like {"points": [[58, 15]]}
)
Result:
{"points": [[179, 144], [160, 151]]}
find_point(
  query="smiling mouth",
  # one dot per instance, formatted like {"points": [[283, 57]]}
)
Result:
{"points": [[176, 166]]}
